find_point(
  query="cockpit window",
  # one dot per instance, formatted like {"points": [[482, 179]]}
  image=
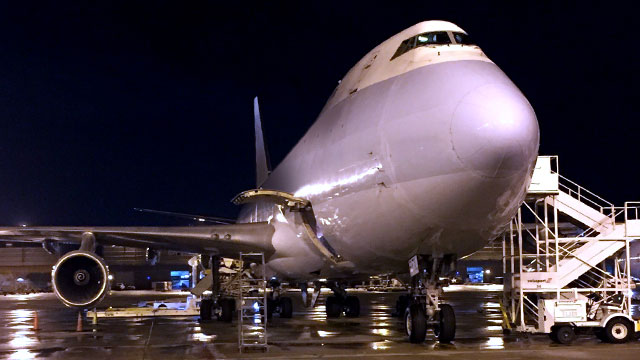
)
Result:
{"points": [[462, 38], [425, 39], [404, 47], [434, 38]]}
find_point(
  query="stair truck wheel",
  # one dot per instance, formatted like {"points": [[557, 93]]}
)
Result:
{"points": [[618, 330], [334, 307], [563, 334], [353, 306], [446, 328], [286, 308], [415, 323], [206, 307]]}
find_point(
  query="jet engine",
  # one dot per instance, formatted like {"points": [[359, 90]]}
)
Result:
{"points": [[80, 279]]}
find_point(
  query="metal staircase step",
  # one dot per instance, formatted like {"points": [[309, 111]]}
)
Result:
{"points": [[252, 326]]}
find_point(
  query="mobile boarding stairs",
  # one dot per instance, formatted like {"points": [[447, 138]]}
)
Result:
{"points": [[563, 283]]}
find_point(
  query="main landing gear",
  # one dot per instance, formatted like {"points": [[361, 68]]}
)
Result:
{"points": [[340, 303], [224, 308], [422, 308], [281, 305], [276, 303]]}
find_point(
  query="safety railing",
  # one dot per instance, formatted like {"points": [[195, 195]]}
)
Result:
{"points": [[584, 195], [616, 214], [631, 210], [632, 218], [592, 200], [628, 213]]}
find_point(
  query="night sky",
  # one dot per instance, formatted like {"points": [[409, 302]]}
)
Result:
{"points": [[106, 107]]}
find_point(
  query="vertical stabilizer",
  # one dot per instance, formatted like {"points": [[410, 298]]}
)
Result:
{"points": [[263, 168]]}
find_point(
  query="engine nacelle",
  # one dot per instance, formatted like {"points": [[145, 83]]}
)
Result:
{"points": [[80, 279]]}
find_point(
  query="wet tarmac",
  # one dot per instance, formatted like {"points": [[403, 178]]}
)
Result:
{"points": [[309, 334]]}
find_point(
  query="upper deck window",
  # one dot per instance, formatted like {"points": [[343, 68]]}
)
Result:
{"points": [[425, 39], [462, 39]]}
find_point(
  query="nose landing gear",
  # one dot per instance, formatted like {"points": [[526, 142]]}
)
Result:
{"points": [[422, 307], [445, 329]]}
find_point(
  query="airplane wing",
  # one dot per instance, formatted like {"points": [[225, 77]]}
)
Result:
{"points": [[223, 240]]}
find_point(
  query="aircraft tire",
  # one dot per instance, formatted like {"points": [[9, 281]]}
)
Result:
{"points": [[206, 305], [618, 330], [353, 306], [415, 323], [334, 307], [286, 308], [228, 307], [446, 329]]}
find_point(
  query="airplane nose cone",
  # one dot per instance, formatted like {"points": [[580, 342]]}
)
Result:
{"points": [[494, 131]]}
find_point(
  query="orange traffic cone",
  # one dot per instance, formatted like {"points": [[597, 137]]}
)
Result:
{"points": [[35, 322], [79, 325]]}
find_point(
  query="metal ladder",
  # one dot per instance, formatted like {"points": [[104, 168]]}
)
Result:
{"points": [[252, 317]]}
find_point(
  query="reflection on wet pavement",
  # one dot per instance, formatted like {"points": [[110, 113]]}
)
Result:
{"points": [[309, 334]]}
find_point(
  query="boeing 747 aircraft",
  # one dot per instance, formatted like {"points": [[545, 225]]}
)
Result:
{"points": [[422, 154]]}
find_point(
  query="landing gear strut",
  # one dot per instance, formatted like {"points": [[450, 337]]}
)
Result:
{"points": [[340, 303], [422, 307]]}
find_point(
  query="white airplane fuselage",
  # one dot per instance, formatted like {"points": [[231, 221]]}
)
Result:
{"points": [[430, 152]]}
